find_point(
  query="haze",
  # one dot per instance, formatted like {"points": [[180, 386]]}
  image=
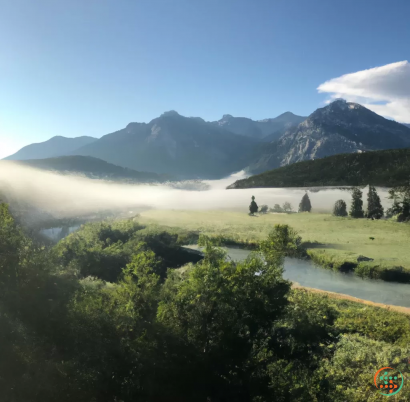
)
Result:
{"points": [[73, 195]]}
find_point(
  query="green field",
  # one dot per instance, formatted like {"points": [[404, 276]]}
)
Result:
{"points": [[340, 239]]}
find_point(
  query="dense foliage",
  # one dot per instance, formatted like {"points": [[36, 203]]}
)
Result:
{"points": [[211, 331], [378, 168]]}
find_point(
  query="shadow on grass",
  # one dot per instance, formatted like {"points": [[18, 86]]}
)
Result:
{"points": [[315, 244]]}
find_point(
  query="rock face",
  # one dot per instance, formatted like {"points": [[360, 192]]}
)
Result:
{"points": [[266, 130], [341, 127]]}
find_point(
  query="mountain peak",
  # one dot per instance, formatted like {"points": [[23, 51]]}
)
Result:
{"points": [[170, 113], [338, 103]]}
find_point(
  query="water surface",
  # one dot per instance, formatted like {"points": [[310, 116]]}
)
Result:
{"points": [[306, 273]]}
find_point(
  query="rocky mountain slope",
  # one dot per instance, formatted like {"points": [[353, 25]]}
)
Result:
{"points": [[340, 127], [188, 148], [265, 130], [56, 146]]}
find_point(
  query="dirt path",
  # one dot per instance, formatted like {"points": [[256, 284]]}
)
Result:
{"points": [[405, 310]]}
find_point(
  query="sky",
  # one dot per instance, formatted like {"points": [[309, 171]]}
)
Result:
{"points": [[78, 67]]}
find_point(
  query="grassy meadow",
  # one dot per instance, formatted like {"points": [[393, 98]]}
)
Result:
{"points": [[334, 240]]}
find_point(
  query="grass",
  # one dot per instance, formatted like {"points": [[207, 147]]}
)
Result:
{"points": [[331, 241]]}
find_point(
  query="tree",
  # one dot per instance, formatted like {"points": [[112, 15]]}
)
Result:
{"points": [[225, 311], [374, 206], [356, 209], [287, 207], [263, 209], [340, 208], [277, 208], [282, 241], [253, 207], [401, 202], [305, 205]]}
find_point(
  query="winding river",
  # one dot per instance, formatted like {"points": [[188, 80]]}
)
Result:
{"points": [[306, 273]]}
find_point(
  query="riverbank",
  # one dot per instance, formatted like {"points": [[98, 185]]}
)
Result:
{"points": [[332, 242], [339, 296]]}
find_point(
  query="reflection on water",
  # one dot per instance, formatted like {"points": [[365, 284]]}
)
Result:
{"points": [[305, 273]]}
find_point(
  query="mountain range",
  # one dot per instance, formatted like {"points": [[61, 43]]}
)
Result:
{"points": [[56, 146], [191, 148], [340, 127], [266, 130], [91, 167]]}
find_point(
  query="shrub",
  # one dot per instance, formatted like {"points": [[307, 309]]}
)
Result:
{"points": [[340, 208], [277, 208], [263, 209], [287, 207]]}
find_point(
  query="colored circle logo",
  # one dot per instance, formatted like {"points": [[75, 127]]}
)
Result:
{"points": [[388, 381]]}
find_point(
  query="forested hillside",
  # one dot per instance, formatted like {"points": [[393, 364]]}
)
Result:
{"points": [[378, 168], [92, 167], [99, 317]]}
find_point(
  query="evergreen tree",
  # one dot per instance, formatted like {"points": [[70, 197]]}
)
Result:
{"points": [[340, 208], [305, 205], [356, 209], [253, 208], [374, 206]]}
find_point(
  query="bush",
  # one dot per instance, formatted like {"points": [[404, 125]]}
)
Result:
{"points": [[283, 241], [340, 208], [263, 209], [277, 208], [287, 207]]}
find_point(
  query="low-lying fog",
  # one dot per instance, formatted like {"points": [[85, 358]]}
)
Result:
{"points": [[74, 195]]}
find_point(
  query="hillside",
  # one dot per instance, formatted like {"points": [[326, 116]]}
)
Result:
{"points": [[92, 167], [341, 127], [56, 146], [180, 146], [378, 168]]}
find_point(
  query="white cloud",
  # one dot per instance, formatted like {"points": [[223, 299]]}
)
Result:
{"points": [[385, 90]]}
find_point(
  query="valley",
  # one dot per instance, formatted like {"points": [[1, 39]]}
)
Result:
{"points": [[204, 201]]}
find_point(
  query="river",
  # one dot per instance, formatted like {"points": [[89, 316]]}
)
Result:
{"points": [[306, 273]]}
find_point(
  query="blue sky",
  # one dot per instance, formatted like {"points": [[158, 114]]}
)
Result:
{"points": [[90, 67]]}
